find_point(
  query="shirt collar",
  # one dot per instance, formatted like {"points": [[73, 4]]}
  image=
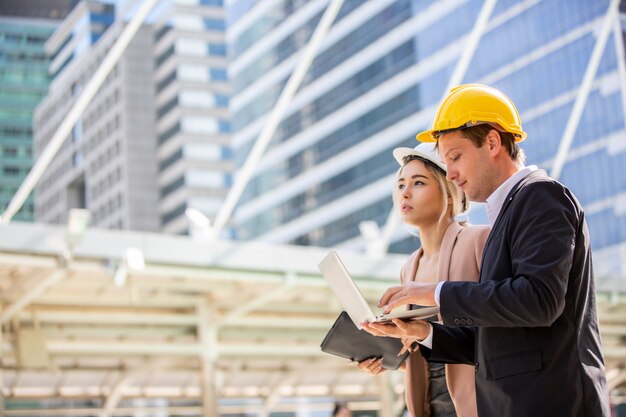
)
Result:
{"points": [[496, 200]]}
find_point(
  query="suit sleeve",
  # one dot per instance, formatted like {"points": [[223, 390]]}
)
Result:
{"points": [[540, 238], [451, 345]]}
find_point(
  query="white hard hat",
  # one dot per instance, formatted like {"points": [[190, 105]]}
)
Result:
{"points": [[426, 151]]}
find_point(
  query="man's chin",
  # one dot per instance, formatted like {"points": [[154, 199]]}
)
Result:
{"points": [[474, 197]]}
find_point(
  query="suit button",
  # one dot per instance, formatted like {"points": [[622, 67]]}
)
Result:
{"points": [[470, 322], [463, 322], [477, 367], [457, 321]]}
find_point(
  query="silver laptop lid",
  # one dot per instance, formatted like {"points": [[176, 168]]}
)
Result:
{"points": [[352, 300], [345, 289]]}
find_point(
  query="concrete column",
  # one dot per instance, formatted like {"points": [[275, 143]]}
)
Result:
{"points": [[207, 333], [387, 397]]}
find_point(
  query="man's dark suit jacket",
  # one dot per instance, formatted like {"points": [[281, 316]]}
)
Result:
{"points": [[530, 324]]}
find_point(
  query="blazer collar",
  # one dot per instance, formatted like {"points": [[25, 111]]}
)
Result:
{"points": [[445, 253], [449, 239]]}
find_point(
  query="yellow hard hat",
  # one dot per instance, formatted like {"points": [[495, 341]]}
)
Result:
{"points": [[473, 104]]}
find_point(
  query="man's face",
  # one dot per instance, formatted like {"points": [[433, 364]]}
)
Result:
{"points": [[471, 168]]}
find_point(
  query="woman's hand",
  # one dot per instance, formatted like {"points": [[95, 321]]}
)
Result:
{"points": [[373, 366], [409, 344]]}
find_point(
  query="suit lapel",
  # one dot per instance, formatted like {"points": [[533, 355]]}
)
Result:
{"points": [[507, 203]]}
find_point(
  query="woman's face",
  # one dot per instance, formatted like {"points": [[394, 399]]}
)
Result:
{"points": [[418, 196]]}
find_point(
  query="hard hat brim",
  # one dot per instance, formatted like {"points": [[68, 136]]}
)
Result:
{"points": [[426, 136], [429, 135]]}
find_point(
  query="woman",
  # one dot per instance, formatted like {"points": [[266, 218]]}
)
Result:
{"points": [[449, 251]]}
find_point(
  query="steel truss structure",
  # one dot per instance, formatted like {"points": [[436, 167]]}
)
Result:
{"points": [[203, 320]]}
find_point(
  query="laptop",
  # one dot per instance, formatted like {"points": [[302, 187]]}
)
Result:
{"points": [[352, 300]]}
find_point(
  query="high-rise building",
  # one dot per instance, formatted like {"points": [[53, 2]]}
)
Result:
{"points": [[155, 139], [107, 164], [37, 9], [193, 120], [23, 82], [375, 83]]}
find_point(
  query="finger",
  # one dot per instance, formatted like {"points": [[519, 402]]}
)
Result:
{"points": [[400, 324], [416, 329], [386, 330], [379, 367], [368, 366], [375, 332], [397, 301], [407, 343], [363, 365], [370, 329], [376, 365], [384, 299]]}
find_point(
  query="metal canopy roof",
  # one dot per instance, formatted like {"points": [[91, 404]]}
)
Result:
{"points": [[258, 311], [243, 317]]}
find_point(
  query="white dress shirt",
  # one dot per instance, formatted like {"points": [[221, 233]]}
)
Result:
{"points": [[494, 204]]}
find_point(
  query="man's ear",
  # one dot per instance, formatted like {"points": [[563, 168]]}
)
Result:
{"points": [[493, 142]]}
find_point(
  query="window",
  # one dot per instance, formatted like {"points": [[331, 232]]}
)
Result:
{"points": [[224, 126], [218, 74], [11, 171], [217, 49], [9, 151], [214, 24], [221, 100]]}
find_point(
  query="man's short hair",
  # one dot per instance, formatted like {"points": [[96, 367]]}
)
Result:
{"points": [[478, 135]]}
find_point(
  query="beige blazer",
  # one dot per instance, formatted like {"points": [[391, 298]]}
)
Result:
{"points": [[459, 260]]}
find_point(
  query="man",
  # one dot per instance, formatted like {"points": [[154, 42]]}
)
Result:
{"points": [[529, 325]]}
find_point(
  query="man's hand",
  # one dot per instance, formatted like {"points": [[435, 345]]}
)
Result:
{"points": [[412, 330], [409, 293]]}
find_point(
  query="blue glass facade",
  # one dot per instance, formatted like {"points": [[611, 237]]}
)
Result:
{"points": [[535, 51], [23, 82]]}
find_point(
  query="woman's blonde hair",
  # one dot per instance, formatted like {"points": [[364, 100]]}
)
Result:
{"points": [[449, 189]]}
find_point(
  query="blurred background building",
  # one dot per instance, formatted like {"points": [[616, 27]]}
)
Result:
{"points": [[192, 117], [170, 130], [24, 28], [382, 69], [108, 163], [154, 141]]}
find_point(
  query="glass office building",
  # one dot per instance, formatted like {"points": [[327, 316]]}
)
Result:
{"points": [[155, 140], [192, 116], [375, 83], [23, 82], [106, 164]]}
